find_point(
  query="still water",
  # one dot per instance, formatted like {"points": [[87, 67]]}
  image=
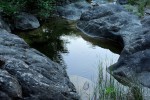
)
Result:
{"points": [[83, 57], [60, 40]]}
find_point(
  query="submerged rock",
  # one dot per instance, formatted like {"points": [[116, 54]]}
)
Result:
{"points": [[27, 74], [112, 22], [25, 21]]}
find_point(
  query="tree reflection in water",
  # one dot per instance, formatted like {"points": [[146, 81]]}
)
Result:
{"points": [[47, 39]]}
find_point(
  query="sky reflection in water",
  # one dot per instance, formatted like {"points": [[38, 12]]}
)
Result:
{"points": [[83, 58]]}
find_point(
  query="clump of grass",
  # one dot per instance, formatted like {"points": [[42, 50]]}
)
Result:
{"points": [[107, 87], [110, 89]]}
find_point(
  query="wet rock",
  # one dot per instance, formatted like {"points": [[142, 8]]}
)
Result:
{"points": [[27, 74], [113, 22], [73, 11], [25, 21]]}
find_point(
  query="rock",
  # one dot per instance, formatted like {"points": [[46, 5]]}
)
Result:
{"points": [[73, 11], [25, 21], [3, 25], [104, 21], [27, 74], [147, 11], [4, 96], [99, 2], [9, 84], [112, 22], [84, 86], [94, 3]]}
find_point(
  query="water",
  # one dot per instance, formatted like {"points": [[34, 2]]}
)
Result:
{"points": [[63, 43], [83, 57]]}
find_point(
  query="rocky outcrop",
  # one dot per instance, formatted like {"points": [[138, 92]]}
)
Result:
{"points": [[25, 21], [112, 22], [73, 11], [27, 74]]}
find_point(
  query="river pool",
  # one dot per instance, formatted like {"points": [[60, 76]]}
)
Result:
{"points": [[62, 42]]}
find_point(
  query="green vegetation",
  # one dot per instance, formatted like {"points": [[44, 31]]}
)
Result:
{"points": [[141, 4], [10, 7], [109, 89], [42, 8], [133, 2]]}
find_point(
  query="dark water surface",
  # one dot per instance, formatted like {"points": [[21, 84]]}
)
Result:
{"points": [[63, 43]]}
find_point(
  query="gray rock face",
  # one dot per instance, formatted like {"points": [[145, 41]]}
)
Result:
{"points": [[25, 21], [73, 11], [27, 74], [113, 22], [147, 11]]}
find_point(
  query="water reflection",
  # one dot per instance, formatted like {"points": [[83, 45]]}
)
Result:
{"points": [[47, 39], [83, 57], [62, 42], [113, 46]]}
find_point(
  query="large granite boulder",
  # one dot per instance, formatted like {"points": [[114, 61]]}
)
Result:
{"points": [[25, 21], [27, 74], [112, 22]]}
